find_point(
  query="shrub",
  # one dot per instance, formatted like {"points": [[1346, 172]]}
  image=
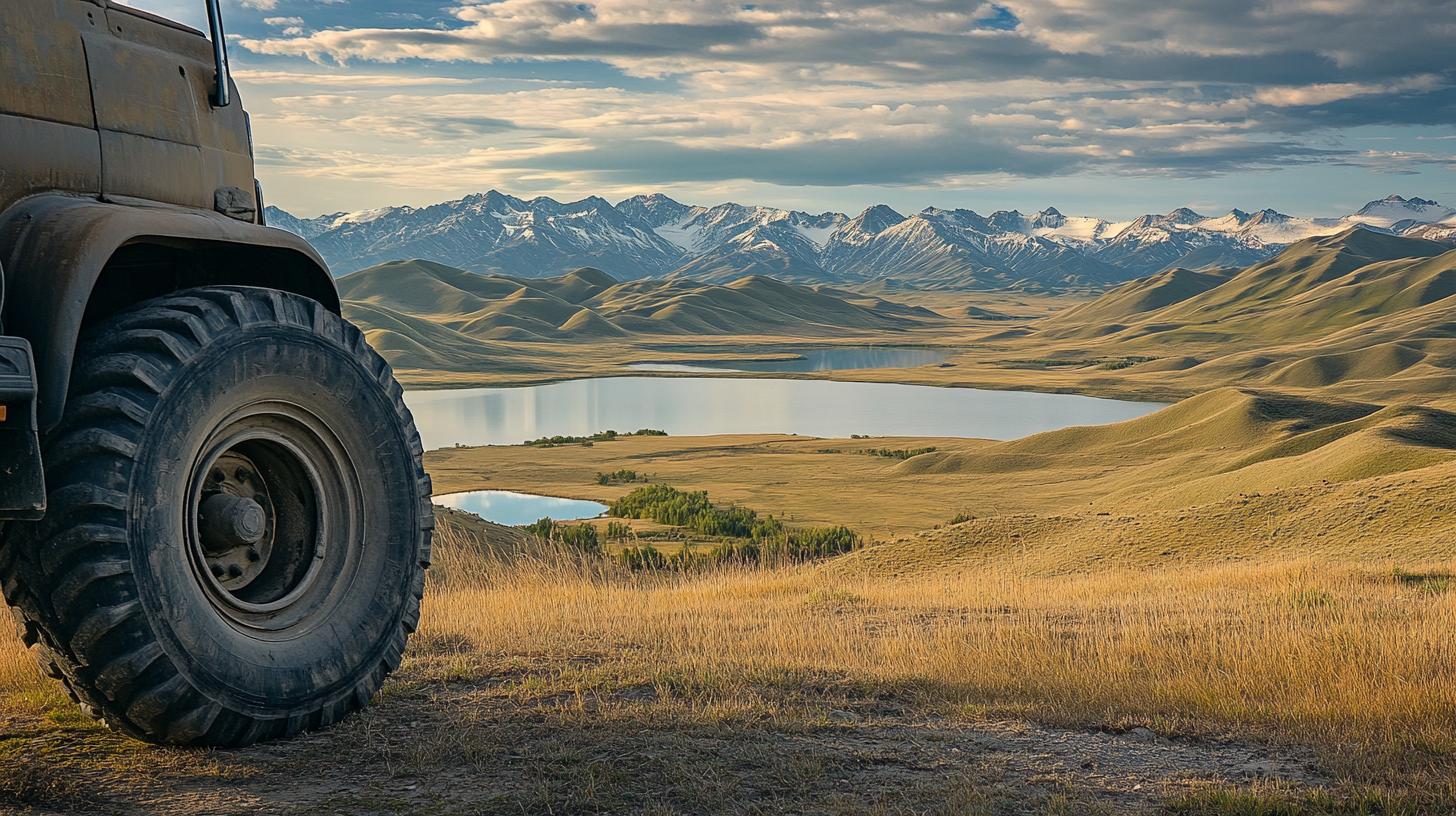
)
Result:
{"points": [[690, 509], [580, 537], [542, 529], [616, 530], [788, 546], [809, 543], [623, 476], [1125, 362], [604, 436], [762, 539], [899, 453], [645, 557]]}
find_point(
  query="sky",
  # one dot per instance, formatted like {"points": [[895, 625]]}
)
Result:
{"points": [[1105, 107]]}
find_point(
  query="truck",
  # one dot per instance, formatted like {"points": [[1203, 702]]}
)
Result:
{"points": [[216, 518]]}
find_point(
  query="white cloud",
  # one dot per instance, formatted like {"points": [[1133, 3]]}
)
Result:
{"points": [[847, 91]]}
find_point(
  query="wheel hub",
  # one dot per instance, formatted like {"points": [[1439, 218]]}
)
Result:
{"points": [[235, 522], [274, 517]]}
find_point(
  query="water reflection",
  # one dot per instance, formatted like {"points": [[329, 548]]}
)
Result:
{"points": [[720, 405], [510, 508]]}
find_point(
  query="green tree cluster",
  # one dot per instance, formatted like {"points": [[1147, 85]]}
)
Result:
{"points": [[691, 509], [582, 538], [899, 453], [622, 476], [604, 436]]}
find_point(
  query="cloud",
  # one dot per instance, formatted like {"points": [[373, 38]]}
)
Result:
{"points": [[846, 92], [344, 79], [1325, 93]]}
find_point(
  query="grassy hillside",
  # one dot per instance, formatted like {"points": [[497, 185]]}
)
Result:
{"points": [[1361, 315], [1139, 297], [433, 322], [587, 304], [1316, 286]]}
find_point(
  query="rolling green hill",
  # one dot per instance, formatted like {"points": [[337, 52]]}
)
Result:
{"points": [[588, 304], [430, 317], [1370, 314]]}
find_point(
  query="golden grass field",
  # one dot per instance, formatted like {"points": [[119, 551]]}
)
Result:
{"points": [[1242, 604], [543, 682]]}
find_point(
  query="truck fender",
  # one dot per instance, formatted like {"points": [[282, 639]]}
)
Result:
{"points": [[54, 248]]}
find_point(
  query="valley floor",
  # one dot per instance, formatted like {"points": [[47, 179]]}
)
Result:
{"points": [[1240, 605]]}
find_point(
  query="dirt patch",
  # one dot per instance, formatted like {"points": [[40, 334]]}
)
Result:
{"points": [[483, 748]]}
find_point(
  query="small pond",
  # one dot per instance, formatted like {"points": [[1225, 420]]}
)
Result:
{"points": [[511, 508]]}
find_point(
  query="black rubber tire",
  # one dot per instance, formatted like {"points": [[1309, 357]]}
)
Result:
{"points": [[101, 585]]}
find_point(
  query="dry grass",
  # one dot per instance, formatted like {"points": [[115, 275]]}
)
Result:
{"points": [[1351, 660], [19, 672], [582, 660]]}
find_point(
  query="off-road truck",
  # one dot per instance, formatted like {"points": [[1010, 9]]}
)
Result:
{"points": [[216, 516]]}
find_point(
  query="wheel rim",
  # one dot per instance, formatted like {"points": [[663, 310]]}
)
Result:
{"points": [[273, 517]]}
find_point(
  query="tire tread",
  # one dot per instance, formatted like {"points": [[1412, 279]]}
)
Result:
{"points": [[69, 576]]}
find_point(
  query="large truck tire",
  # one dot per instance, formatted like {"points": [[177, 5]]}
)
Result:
{"points": [[239, 522]]}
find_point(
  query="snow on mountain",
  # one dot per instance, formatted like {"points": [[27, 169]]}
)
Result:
{"points": [[493, 232], [307, 227], [1392, 209], [656, 236]]}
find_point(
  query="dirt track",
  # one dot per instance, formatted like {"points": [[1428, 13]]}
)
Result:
{"points": [[473, 748]]}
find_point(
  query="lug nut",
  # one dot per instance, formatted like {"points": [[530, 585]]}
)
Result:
{"points": [[235, 571], [253, 555], [217, 570]]}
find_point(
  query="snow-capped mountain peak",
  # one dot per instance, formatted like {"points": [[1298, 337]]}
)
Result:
{"points": [[1393, 208], [655, 235]]}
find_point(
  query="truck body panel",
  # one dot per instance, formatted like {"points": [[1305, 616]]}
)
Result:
{"points": [[120, 180]]}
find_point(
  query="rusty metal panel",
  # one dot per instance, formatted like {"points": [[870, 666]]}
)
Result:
{"points": [[42, 64]]}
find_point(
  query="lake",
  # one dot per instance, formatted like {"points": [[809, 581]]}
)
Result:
{"points": [[689, 406], [840, 358], [511, 508]]}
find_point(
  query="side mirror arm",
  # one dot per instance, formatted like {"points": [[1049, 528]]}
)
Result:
{"points": [[222, 95]]}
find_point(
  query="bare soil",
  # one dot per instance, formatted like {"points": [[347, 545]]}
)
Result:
{"points": [[484, 746]]}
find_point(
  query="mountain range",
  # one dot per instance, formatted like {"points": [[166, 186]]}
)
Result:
{"points": [[654, 236]]}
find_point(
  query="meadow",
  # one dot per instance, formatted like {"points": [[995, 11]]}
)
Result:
{"points": [[544, 680]]}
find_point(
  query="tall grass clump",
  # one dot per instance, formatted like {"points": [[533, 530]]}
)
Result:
{"points": [[22, 683]]}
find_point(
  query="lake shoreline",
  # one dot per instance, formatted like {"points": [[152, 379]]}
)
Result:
{"points": [[1130, 392], [695, 405]]}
